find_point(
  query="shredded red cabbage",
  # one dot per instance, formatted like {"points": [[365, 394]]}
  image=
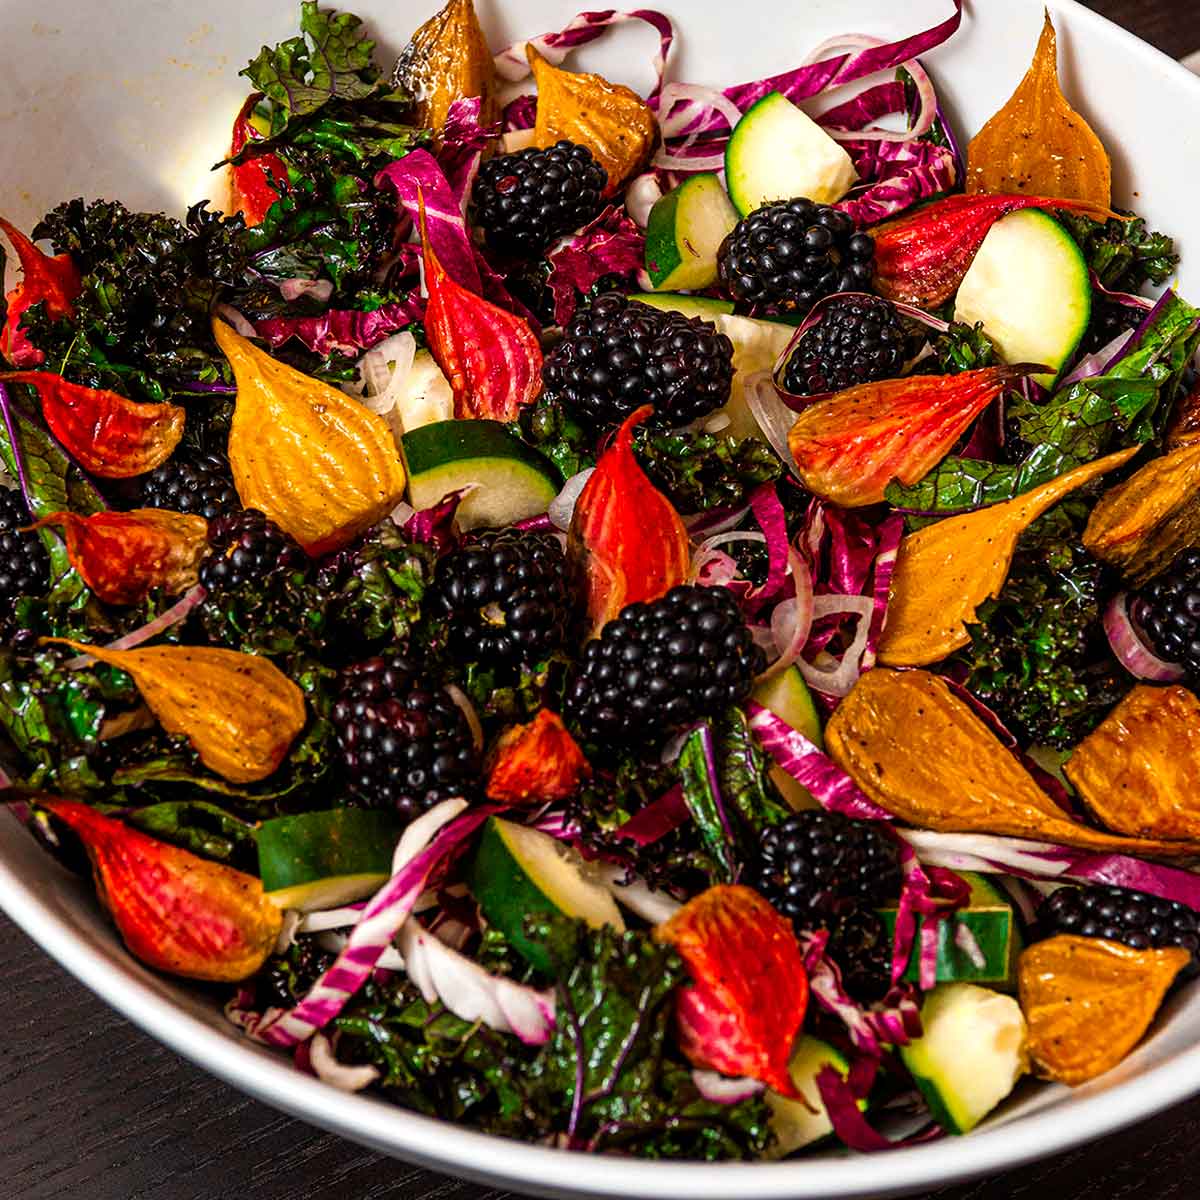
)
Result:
{"points": [[610, 245], [346, 331]]}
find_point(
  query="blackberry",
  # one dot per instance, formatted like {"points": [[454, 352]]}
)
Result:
{"points": [[816, 867], [660, 666], [859, 339], [247, 548], [1167, 610], [617, 355], [203, 487], [405, 744], [523, 201], [1122, 915], [862, 951], [24, 564], [507, 597], [785, 256]]}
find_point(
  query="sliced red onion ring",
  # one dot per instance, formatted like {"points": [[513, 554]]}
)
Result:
{"points": [[774, 417], [791, 619], [319, 289], [237, 319], [176, 613], [1131, 651], [325, 1067]]}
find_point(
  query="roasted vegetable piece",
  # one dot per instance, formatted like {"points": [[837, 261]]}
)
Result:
{"points": [[945, 571], [54, 282], [1088, 1002], [749, 992], [106, 434], [612, 121], [626, 539], [240, 712], [920, 751], [536, 763], [491, 357], [253, 183], [921, 258], [123, 555], [447, 60], [851, 445], [318, 463], [1137, 772], [1141, 525], [177, 912], [1037, 143]]}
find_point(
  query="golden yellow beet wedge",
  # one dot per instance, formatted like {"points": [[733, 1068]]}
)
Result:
{"points": [[944, 572]]}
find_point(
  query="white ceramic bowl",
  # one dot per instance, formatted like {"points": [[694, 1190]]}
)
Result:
{"points": [[133, 98]]}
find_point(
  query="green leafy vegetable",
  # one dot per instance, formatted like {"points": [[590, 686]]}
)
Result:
{"points": [[612, 1060], [549, 427], [1037, 656], [203, 828], [961, 348], [742, 773], [700, 471], [702, 796], [1124, 255]]}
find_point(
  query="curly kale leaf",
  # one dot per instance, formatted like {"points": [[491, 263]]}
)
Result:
{"points": [[547, 426], [504, 696], [700, 471], [1124, 255], [961, 348], [331, 59], [376, 588], [142, 323], [1038, 655], [437, 1063], [610, 1077], [57, 720]]}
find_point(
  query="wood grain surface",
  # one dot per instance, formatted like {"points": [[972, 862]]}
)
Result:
{"points": [[93, 1109]]}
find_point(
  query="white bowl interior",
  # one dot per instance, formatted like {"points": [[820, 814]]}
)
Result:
{"points": [[134, 100]]}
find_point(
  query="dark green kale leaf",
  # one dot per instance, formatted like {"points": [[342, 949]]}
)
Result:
{"points": [[375, 588], [961, 348], [57, 720], [504, 696], [203, 828], [547, 426], [1038, 655], [331, 59], [742, 773], [435, 1062], [700, 471], [1124, 255], [702, 795], [610, 1077]]}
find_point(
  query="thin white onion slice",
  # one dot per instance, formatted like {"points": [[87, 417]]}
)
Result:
{"points": [[236, 319], [385, 369], [419, 833], [722, 1089], [837, 678], [562, 508], [1131, 651], [319, 289], [774, 417], [327, 1068], [641, 196], [468, 710], [791, 619]]}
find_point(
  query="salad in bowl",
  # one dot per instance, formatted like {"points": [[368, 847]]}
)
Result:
{"points": [[659, 624]]}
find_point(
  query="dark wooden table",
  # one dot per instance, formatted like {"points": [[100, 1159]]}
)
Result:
{"points": [[93, 1109]]}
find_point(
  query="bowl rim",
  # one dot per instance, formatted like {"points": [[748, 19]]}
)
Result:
{"points": [[497, 1161]]}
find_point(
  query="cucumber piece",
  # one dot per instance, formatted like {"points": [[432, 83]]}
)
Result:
{"points": [[705, 307], [684, 233], [993, 923], [427, 397], [323, 859], [788, 697], [757, 346], [517, 871], [970, 1056], [792, 1123], [514, 480], [1029, 286], [778, 152]]}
